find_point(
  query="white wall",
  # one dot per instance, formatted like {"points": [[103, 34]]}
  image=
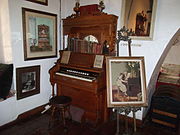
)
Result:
{"points": [[173, 56], [167, 22], [11, 108]]}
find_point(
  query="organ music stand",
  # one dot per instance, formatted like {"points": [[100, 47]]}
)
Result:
{"points": [[123, 35]]}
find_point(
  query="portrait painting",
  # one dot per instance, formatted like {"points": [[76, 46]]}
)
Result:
{"points": [[126, 85], [139, 16], [28, 81]]}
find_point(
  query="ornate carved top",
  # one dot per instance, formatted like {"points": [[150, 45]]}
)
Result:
{"points": [[93, 9]]}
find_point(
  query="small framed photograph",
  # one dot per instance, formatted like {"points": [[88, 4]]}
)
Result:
{"points": [[43, 2], [126, 82], [27, 81], [98, 62], [65, 57], [39, 34]]}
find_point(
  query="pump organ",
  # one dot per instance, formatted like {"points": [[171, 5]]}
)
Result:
{"points": [[77, 77]]}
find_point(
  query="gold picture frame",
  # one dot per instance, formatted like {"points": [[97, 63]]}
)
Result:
{"points": [[126, 82], [139, 16], [39, 34]]}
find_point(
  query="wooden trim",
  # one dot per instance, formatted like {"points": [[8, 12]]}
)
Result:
{"points": [[164, 123], [31, 113], [165, 113], [8, 125], [24, 116]]}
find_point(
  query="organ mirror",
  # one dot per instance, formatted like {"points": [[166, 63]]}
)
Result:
{"points": [[91, 38]]}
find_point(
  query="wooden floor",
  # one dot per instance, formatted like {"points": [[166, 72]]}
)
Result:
{"points": [[38, 125]]}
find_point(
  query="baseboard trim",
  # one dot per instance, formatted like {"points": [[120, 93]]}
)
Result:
{"points": [[24, 116], [29, 114]]}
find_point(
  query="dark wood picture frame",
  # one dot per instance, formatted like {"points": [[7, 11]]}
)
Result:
{"points": [[43, 2], [126, 81], [27, 81], [39, 34]]}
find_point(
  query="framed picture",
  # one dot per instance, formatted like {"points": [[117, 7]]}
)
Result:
{"points": [[139, 16], [98, 62], [43, 2], [39, 34], [65, 57], [126, 84], [27, 81]]}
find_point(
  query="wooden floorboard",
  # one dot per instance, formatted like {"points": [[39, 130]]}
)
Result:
{"points": [[38, 125]]}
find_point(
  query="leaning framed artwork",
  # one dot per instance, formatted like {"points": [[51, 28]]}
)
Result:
{"points": [[139, 16], [43, 2], [126, 82], [39, 34], [27, 81]]}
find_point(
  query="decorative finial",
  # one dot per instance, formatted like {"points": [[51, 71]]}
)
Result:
{"points": [[101, 5], [77, 6]]}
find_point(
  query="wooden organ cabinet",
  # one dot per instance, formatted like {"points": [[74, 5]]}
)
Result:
{"points": [[75, 74]]}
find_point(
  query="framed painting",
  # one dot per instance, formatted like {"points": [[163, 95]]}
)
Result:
{"points": [[43, 2], [139, 16], [39, 34], [27, 81], [98, 62], [126, 82]]}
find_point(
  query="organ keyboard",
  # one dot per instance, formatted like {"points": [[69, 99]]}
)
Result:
{"points": [[77, 74], [85, 84]]}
